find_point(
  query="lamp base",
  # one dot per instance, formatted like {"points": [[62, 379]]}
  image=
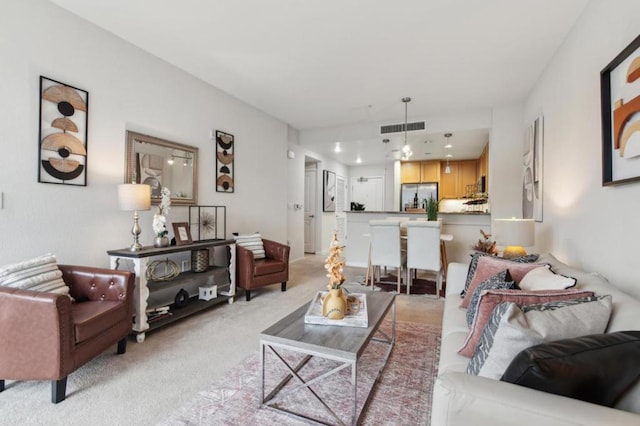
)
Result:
{"points": [[513, 251], [135, 246]]}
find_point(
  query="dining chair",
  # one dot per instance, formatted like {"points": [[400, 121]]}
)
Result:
{"points": [[423, 250], [385, 248]]}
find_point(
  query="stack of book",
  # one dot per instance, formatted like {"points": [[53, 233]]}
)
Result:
{"points": [[157, 313]]}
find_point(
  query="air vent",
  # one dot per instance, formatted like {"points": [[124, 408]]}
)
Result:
{"points": [[416, 126]]}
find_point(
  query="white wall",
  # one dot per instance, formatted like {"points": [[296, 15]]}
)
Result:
{"points": [[505, 162], [584, 223], [128, 90]]}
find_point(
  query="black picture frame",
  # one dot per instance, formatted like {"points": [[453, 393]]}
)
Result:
{"points": [[63, 133], [616, 114], [225, 162], [328, 191]]}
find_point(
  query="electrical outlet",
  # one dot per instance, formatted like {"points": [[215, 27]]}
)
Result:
{"points": [[185, 265]]}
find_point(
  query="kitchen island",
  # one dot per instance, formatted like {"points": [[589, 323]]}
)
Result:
{"points": [[465, 228]]}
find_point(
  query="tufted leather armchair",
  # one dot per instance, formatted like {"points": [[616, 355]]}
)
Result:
{"points": [[46, 336], [255, 273]]}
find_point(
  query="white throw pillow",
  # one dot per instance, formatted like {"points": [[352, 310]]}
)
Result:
{"points": [[39, 274], [512, 329], [251, 242], [545, 279]]}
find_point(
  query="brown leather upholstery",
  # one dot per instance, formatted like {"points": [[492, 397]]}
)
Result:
{"points": [[255, 273], [46, 336]]}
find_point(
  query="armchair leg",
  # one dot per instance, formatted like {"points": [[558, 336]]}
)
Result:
{"points": [[122, 346], [58, 390], [283, 286], [247, 295], [1, 385]]}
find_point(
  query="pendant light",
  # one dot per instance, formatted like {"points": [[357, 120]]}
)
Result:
{"points": [[406, 149], [447, 169]]}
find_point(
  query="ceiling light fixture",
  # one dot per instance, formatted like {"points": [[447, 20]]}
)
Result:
{"points": [[406, 149], [447, 169], [337, 148], [358, 160]]}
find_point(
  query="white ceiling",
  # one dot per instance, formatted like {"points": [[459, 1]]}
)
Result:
{"points": [[326, 63]]}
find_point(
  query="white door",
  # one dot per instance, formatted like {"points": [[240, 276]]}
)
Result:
{"points": [[369, 191], [309, 211]]}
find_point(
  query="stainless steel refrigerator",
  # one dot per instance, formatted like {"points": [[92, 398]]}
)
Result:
{"points": [[420, 192]]}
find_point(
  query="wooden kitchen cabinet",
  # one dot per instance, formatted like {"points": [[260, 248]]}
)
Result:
{"points": [[430, 171], [410, 172], [454, 184], [420, 171]]}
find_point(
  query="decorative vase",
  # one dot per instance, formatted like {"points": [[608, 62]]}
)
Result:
{"points": [[334, 305], [161, 242]]}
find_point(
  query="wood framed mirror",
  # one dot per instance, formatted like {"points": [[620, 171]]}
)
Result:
{"points": [[162, 163]]}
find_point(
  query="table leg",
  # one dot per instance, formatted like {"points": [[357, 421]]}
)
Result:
{"points": [[443, 257]]}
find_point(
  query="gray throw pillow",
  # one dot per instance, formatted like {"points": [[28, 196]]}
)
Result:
{"points": [[500, 281], [512, 329]]}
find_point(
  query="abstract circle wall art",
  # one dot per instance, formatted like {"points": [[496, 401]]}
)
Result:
{"points": [[224, 162], [63, 133]]}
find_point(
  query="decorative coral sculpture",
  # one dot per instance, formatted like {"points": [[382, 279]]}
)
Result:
{"points": [[335, 264], [486, 245]]}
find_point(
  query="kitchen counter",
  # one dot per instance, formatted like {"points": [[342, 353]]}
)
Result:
{"points": [[464, 226]]}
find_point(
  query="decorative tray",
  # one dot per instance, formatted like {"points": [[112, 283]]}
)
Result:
{"points": [[357, 314]]}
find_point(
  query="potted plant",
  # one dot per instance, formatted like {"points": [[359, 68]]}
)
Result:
{"points": [[432, 208]]}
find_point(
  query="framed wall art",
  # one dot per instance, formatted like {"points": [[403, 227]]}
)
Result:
{"points": [[532, 172], [224, 161], [62, 153], [328, 191], [620, 104], [181, 233]]}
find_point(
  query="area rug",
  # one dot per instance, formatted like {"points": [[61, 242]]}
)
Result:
{"points": [[389, 282], [401, 397]]}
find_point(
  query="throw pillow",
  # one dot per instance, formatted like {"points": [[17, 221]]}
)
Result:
{"points": [[38, 274], [489, 266], [543, 278], [529, 258], [251, 242], [598, 368], [488, 300], [512, 329], [501, 280]]}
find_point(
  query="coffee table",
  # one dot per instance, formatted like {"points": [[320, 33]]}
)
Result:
{"points": [[342, 344]]}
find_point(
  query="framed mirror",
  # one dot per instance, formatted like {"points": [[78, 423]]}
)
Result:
{"points": [[162, 163]]}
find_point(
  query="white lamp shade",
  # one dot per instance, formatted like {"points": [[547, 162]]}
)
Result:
{"points": [[134, 196], [514, 232]]}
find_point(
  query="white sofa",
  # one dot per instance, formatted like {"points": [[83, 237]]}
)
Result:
{"points": [[462, 399]]}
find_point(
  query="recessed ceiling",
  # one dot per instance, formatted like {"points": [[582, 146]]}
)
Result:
{"points": [[326, 63]]}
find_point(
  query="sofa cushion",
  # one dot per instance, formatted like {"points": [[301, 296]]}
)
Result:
{"points": [[38, 274], [512, 329], [489, 266], [501, 280], [268, 266], [530, 258], [543, 278], [92, 318], [491, 298], [251, 242], [597, 368]]}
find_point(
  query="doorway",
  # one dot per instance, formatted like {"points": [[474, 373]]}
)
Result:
{"points": [[310, 173], [368, 190]]}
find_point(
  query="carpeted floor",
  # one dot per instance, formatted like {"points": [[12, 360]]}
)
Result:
{"points": [[402, 397]]}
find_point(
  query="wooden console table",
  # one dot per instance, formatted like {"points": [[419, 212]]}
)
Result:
{"points": [[144, 289]]}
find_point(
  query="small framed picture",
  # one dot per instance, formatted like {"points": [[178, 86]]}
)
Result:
{"points": [[182, 233]]}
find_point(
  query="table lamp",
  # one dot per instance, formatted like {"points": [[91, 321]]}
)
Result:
{"points": [[515, 234], [134, 197]]}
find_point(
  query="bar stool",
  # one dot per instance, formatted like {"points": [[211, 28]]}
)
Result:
{"points": [[385, 248], [423, 250]]}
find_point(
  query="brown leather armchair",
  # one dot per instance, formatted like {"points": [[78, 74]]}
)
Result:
{"points": [[255, 273], [46, 336]]}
